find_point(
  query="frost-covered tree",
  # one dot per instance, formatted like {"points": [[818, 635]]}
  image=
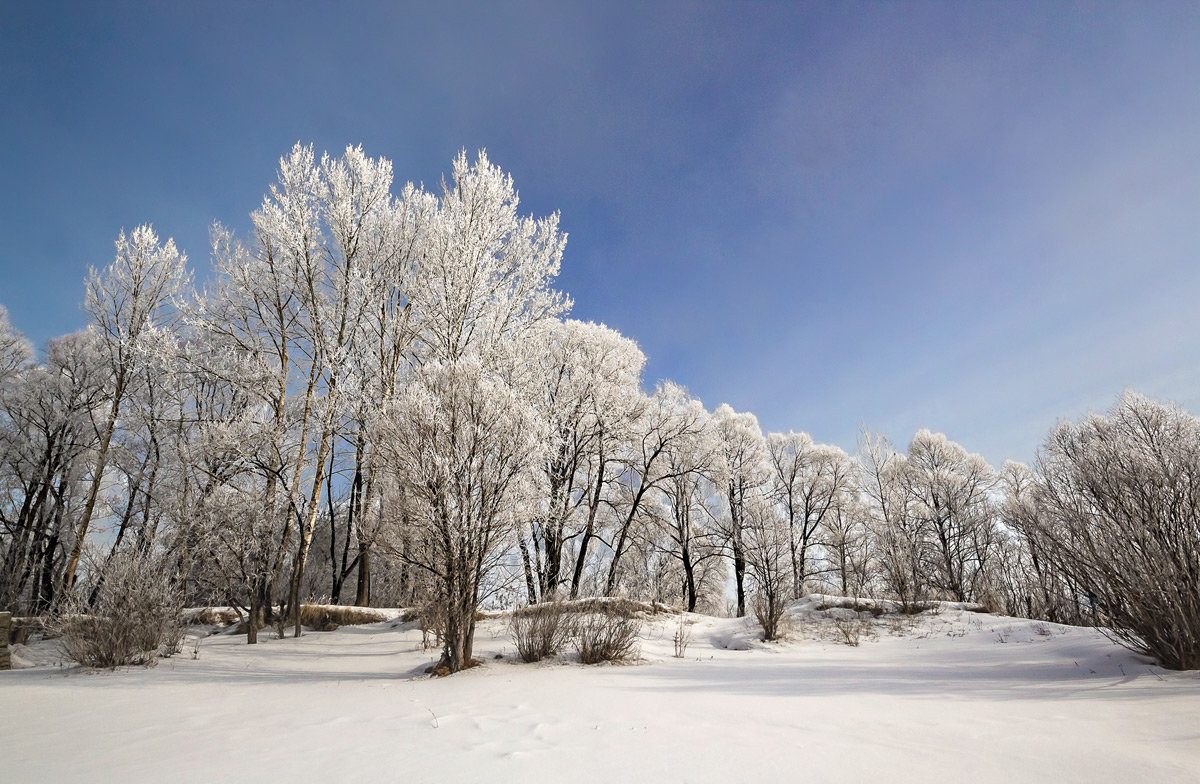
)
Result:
{"points": [[235, 453], [486, 271], [848, 546], [1118, 513], [686, 520], [381, 356], [898, 542], [739, 472], [47, 437], [768, 546], [130, 300], [669, 418], [950, 503], [141, 457], [252, 350], [1035, 587], [357, 234], [583, 380], [465, 449], [808, 480], [15, 350]]}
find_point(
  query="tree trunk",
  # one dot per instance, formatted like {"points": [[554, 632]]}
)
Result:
{"points": [[362, 594], [97, 477], [460, 626], [797, 582], [310, 521], [739, 575], [530, 585], [590, 530], [260, 609], [689, 572]]}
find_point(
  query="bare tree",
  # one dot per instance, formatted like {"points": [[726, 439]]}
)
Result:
{"points": [[46, 440], [768, 544], [669, 418], [898, 538], [584, 381], [739, 472], [1118, 512], [132, 298], [808, 481], [464, 447], [949, 501]]}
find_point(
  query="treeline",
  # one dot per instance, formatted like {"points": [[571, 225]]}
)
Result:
{"points": [[378, 399]]}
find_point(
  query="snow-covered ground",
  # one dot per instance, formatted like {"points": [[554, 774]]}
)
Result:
{"points": [[947, 696]]}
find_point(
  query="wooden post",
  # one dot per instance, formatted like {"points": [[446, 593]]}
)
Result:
{"points": [[5, 633]]}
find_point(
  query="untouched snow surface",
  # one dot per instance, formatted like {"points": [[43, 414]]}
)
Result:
{"points": [[946, 696]]}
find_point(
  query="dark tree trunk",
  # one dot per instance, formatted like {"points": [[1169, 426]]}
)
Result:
{"points": [[530, 584], [362, 594], [739, 575], [590, 530], [689, 573]]}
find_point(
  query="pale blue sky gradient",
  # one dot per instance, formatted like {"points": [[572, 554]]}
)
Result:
{"points": [[972, 217]]}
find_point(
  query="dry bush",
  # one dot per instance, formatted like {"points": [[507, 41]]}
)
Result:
{"points": [[615, 605], [541, 630], [849, 628], [849, 604], [606, 636], [683, 636], [900, 624], [327, 617], [135, 617], [771, 612], [433, 618]]}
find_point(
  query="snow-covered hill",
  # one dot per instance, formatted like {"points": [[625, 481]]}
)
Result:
{"points": [[947, 695]]}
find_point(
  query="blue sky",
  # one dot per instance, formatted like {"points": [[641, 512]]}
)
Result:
{"points": [[973, 217]]}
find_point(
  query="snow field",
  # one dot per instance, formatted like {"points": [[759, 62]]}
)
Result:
{"points": [[947, 695]]}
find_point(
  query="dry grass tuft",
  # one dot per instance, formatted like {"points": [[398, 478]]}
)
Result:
{"points": [[848, 604], [327, 617]]}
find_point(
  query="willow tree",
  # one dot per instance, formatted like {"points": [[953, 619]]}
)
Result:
{"points": [[1117, 512]]}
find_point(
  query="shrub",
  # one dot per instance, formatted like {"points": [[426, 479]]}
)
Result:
{"points": [[135, 616], [683, 636], [540, 631], [602, 636], [850, 604], [1116, 511], [432, 616], [771, 611], [850, 628]]}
